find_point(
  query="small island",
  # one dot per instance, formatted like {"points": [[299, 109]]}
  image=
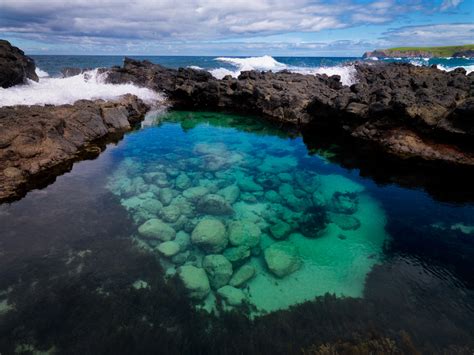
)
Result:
{"points": [[466, 51]]}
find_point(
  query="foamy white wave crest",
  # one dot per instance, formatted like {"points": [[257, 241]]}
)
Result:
{"points": [[266, 63], [346, 72], [89, 85], [254, 63], [41, 73], [469, 68]]}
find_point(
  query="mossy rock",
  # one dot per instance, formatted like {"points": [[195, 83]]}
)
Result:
{"points": [[282, 258], [156, 229], [244, 233], [195, 281], [218, 268], [210, 235]]}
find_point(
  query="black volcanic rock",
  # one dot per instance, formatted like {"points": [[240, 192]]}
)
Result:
{"points": [[15, 66]]}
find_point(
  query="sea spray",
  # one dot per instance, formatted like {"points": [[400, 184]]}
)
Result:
{"points": [[89, 85]]}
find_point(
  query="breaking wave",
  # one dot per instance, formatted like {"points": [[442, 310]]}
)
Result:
{"points": [[89, 85], [266, 63]]}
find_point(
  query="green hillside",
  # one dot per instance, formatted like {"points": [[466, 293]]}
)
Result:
{"points": [[436, 51]]}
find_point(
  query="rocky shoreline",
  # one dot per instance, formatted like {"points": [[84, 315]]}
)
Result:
{"points": [[407, 111], [413, 114], [37, 143]]}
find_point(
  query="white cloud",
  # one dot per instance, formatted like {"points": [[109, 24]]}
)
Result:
{"points": [[449, 4], [188, 20], [440, 34]]}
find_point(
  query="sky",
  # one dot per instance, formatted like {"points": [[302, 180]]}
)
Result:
{"points": [[233, 27]]}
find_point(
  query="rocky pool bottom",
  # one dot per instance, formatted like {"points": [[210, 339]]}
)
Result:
{"points": [[171, 239]]}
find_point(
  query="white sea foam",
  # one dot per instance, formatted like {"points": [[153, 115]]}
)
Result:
{"points": [[89, 85], [41, 73], [469, 68], [266, 63]]}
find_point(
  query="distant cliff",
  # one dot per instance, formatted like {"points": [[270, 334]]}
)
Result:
{"points": [[425, 52]]}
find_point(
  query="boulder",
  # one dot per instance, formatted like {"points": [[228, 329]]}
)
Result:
{"points": [[166, 195], [195, 281], [169, 248], [210, 235], [156, 229], [344, 202], [244, 233], [193, 194], [230, 193], [237, 255], [280, 230], [15, 66], [231, 295], [183, 181], [170, 213], [242, 275], [214, 205], [218, 269], [282, 258]]}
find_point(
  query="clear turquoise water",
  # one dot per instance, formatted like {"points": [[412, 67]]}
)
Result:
{"points": [[80, 273]]}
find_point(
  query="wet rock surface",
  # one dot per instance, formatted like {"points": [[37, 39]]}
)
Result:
{"points": [[406, 111], [39, 140], [15, 66]]}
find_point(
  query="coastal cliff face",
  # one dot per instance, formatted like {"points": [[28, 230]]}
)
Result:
{"points": [[407, 111], [38, 142], [428, 52], [15, 66]]}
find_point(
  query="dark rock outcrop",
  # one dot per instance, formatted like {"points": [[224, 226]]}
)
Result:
{"points": [[37, 142], [468, 53], [407, 111], [15, 66]]}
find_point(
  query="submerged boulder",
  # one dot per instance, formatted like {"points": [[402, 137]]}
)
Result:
{"points": [[169, 248], [231, 295], [344, 202], [210, 235], [195, 281], [244, 233], [214, 205], [193, 194], [156, 229], [242, 275], [230, 193], [183, 181], [237, 255], [280, 230], [218, 269], [282, 258]]}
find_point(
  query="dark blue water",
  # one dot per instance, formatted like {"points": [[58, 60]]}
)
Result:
{"points": [[78, 275]]}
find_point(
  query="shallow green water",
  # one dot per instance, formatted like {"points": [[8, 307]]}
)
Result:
{"points": [[296, 233]]}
